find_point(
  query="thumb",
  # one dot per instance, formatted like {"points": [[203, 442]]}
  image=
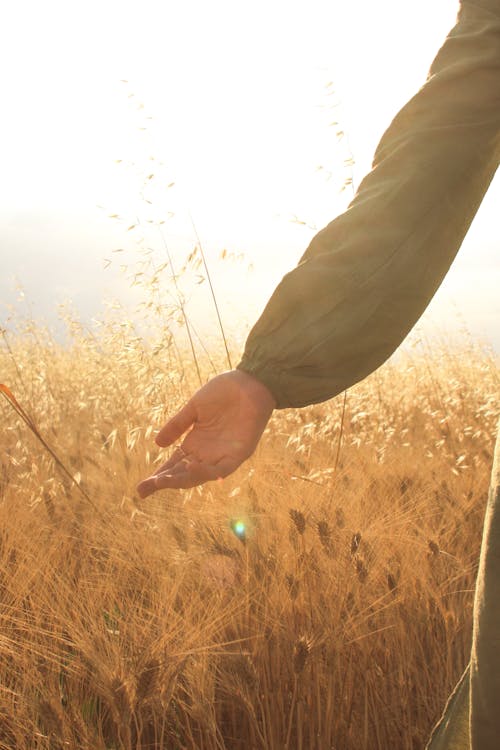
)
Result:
{"points": [[176, 426]]}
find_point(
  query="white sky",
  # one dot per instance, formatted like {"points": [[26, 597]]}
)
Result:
{"points": [[238, 93]]}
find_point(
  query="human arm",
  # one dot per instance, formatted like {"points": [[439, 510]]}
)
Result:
{"points": [[367, 277]]}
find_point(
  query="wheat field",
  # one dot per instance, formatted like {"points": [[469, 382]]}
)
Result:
{"points": [[318, 599]]}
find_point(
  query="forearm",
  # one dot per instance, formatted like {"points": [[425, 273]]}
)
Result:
{"points": [[367, 277]]}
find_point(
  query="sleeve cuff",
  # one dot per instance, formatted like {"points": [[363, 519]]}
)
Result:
{"points": [[270, 377]]}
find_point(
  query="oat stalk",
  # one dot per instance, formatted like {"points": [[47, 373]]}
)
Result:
{"points": [[214, 298], [29, 422]]}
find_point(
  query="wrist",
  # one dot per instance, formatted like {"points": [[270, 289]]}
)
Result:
{"points": [[257, 391]]}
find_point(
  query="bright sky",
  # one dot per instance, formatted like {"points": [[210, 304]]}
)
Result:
{"points": [[241, 97]]}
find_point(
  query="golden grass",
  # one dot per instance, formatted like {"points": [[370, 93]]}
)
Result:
{"points": [[340, 618]]}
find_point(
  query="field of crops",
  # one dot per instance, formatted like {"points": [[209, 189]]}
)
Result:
{"points": [[320, 598]]}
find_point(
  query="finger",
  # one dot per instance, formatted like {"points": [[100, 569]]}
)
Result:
{"points": [[157, 481], [176, 426], [169, 480], [176, 481], [177, 455], [146, 487], [183, 476]]}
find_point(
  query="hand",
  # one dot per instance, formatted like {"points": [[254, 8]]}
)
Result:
{"points": [[227, 417]]}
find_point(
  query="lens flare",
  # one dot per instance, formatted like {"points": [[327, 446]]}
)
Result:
{"points": [[239, 528]]}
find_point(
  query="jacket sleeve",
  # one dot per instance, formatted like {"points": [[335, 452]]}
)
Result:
{"points": [[366, 278]]}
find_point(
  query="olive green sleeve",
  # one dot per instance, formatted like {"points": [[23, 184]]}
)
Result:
{"points": [[366, 278]]}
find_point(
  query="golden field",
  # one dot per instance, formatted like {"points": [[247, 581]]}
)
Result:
{"points": [[339, 619]]}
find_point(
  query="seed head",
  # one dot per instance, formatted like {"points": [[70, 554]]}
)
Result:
{"points": [[324, 531], [391, 582], [340, 518], [122, 703], [180, 538], [355, 542], [147, 681], [361, 570], [51, 716], [245, 670], [325, 536], [293, 585], [433, 548], [301, 651], [299, 520]]}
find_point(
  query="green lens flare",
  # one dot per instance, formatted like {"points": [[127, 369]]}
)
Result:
{"points": [[239, 529]]}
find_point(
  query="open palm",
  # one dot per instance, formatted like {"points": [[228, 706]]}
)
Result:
{"points": [[225, 419]]}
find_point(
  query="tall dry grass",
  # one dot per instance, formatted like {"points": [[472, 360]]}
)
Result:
{"points": [[339, 616]]}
